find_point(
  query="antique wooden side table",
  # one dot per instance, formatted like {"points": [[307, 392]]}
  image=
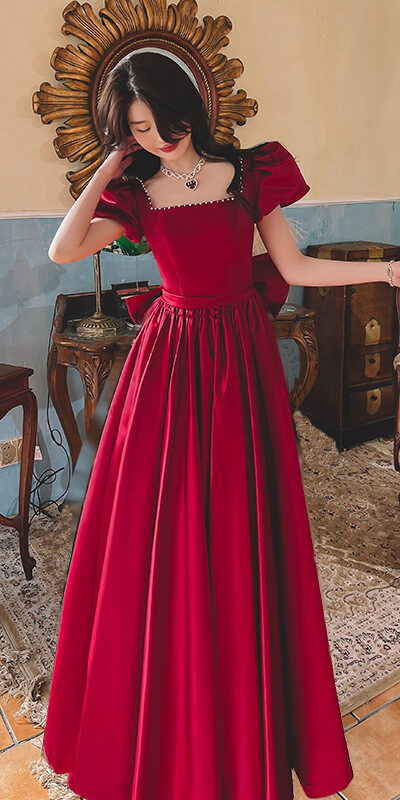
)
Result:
{"points": [[92, 358]]}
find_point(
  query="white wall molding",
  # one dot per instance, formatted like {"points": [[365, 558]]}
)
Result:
{"points": [[348, 200], [300, 203], [31, 214]]}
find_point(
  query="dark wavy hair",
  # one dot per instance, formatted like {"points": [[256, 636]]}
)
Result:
{"points": [[177, 107]]}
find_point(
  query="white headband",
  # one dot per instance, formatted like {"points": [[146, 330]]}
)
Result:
{"points": [[166, 53]]}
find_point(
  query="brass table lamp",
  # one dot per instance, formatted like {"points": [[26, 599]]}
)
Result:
{"points": [[100, 325]]}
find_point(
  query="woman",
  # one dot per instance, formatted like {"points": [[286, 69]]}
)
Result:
{"points": [[192, 660]]}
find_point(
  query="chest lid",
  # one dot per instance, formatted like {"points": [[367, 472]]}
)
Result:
{"points": [[355, 251]]}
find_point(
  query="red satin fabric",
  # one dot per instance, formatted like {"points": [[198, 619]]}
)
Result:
{"points": [[192, 661], [266, 279]]}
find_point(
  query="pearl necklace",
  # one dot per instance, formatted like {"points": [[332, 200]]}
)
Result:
{"points": [[190, 181]]}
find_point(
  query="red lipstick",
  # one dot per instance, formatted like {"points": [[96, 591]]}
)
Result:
{"points": [[168, 148]]}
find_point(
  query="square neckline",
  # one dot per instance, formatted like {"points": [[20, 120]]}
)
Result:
{"points": [[200, 203]]}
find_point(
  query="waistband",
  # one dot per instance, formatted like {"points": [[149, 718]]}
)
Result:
{"points": [[266, 280], [208, 301]]}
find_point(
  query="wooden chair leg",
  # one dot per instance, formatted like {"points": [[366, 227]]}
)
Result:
{"points": [[14, 392], [29, 405]]}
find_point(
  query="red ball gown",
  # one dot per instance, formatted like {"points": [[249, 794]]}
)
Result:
{"points": [[192, 660]]}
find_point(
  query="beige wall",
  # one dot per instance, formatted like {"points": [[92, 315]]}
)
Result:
{"points": [[325, 74]]}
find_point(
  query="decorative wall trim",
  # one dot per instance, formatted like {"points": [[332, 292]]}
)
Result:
{"points": [[32, 214], [299, 204], [344, 200]]}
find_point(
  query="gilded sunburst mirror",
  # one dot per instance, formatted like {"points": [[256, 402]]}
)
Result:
{"points": [[120, 29]]}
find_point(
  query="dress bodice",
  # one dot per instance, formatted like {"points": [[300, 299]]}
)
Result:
{"points": [[201, 248], [205, 248]]}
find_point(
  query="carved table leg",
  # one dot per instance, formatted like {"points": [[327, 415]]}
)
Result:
{"points": [[58, 390], [304, 335], [93, 372]]}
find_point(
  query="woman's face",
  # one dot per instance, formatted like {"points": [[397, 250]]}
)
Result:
{"points": [[142, 125]]}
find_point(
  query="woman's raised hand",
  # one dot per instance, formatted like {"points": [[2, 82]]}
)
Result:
{"points": [[120, 157]]}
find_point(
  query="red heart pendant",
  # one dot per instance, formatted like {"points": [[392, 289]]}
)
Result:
{"points": [[191, 184]]}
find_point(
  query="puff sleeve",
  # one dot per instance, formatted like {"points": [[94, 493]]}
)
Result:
{"points": [[277, 178], [117, 201]]}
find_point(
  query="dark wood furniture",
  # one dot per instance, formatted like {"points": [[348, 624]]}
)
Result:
{"points": [[15, 391], [353, 397]]}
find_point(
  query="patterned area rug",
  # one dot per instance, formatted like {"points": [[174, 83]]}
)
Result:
{"points": [[353, 505]]}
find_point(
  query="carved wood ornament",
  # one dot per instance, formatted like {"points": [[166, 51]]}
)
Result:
{"points": [[122, 28]]}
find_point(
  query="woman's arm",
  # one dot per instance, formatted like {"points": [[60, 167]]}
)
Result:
{"points": [[300, 270], [78, 235]]}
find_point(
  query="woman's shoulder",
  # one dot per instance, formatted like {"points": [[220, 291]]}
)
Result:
{"points": [[118, 201], [124, 192], [124, 185], [268, 154], [274, 176]]}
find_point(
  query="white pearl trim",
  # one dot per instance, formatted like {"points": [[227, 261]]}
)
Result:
{"points": [[201, 203]]}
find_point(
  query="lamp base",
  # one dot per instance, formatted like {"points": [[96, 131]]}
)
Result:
{"points": [[99, 326]]}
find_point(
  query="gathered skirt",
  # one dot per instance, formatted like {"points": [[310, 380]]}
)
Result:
{"points": [[192, 660]]}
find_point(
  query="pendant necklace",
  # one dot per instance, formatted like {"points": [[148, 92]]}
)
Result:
{"points": [[190, 181]]}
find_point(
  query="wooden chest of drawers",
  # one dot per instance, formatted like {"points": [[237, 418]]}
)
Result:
{"points": [[353, 398]]}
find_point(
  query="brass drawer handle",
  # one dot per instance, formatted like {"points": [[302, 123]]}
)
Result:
{"points": [[372, 332], [372, 365], [373, 401]]}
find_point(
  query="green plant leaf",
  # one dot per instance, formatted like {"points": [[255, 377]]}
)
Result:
{"points": [[123, 246]]}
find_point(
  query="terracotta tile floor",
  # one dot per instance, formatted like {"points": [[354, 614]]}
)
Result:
{"points": [[372, 733]]}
